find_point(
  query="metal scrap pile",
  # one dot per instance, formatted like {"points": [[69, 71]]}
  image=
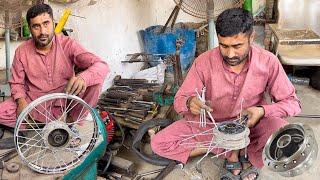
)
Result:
{"points": [[130, 101]]}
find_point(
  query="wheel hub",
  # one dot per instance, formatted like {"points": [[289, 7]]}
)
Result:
{"points": [[58, 137], [57, 134], [291, 150]]}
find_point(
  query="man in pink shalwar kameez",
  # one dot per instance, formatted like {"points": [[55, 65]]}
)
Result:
{"points": [[234, 72], [46, 64]]}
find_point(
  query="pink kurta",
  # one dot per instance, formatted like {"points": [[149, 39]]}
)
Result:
{"points": [[226, 90], [35, 74]]}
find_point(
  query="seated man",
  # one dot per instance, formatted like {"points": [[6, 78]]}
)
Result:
{"points": [[46, 64], [236, 75]]}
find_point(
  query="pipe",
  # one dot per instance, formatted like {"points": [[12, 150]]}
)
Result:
{"points": [[213, 39], [7, 45]]}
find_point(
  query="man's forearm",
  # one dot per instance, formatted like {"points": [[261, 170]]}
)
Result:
{"points": [[21, 101]]}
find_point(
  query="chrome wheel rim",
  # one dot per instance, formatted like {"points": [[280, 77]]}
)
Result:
{"points": [[47, 141]]}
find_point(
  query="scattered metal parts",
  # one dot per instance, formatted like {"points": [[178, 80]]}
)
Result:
{"points": [[123, 165], [291, 150], [168, 169], [141, 175], [165, 171], [12, 167], [6, 156]]}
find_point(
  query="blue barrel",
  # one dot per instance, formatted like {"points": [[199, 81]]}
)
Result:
{"points": [[165, 43]]}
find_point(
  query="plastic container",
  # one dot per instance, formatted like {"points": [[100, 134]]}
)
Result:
{"points": [[165, 43]]}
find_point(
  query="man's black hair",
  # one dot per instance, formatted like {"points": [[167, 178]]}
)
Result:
{"points": [[234, 21], [38, 9]]}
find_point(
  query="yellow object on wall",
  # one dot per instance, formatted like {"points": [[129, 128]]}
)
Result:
{"points": [[62, 21]]}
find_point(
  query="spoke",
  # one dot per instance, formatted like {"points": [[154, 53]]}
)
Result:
{"points": [[62, 110], [75, 154], [61, 159], [36, 146], [72, 107], [28, 123], [34, 121], [42, 157], [30, 129], [41, 149], [31, 146], [38, 152], [67, 108], [32, 138], [42, 113], [54, 155], [47, 112], [80, 115], [224, 152]]}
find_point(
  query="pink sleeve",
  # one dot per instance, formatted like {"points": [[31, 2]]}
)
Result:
{"points": [[285, 101], [94, 68], [17, 81], [193, 81]]}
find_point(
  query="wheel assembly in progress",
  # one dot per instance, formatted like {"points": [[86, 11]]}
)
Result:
{"points": [[56, 133]]}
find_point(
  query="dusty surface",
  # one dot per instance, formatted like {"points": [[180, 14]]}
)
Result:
{"points": [[209, 167]]}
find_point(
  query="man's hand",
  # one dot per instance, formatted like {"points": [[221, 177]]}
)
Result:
{"points": [[22, 103], [195, 105], [76, 85], [254, 115]]}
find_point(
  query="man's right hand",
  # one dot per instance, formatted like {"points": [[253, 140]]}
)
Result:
{"points": [[195, 105], [22, 103]]}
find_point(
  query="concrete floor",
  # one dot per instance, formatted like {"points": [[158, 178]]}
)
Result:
{"points": [[310, 99]]}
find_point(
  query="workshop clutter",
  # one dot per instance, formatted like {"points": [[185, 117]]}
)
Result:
{"points": [[130, 101], [156, 42]]}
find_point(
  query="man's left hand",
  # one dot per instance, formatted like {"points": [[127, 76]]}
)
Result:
{"points": [[76, 85], [254, 115]]}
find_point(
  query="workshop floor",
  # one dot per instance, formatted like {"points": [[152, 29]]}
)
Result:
{"points": [[310, 99]]}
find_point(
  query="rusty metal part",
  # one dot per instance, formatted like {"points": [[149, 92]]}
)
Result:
{"points": [[122, 164], [135, 114], [123, 88], [102, 104], [110, 100], [172, 18], [121, 81], [10, 154], [164, 171], [167, 170], [12, 167], [118, 95], [145, 102], [129, 118], [133, 120], [177, 64], [140, 107], [141, 175]]}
